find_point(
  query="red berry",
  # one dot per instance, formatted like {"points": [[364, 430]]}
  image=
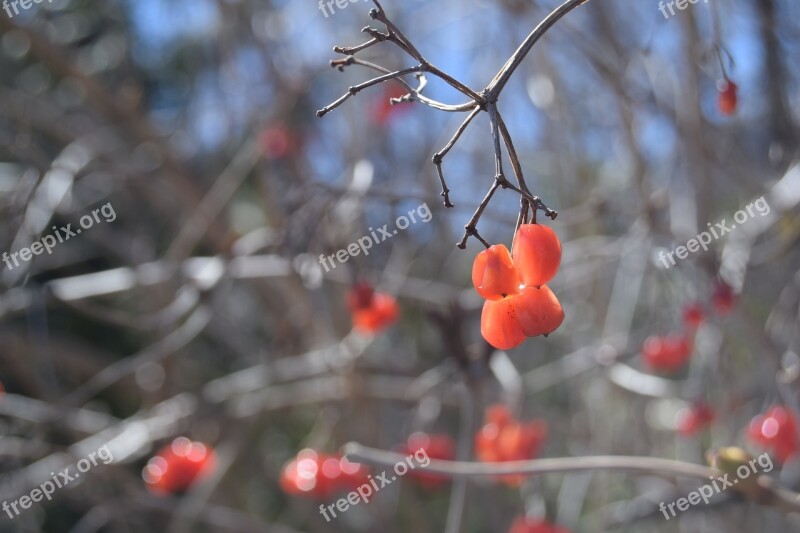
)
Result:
{"points": [[727, 98], [360, 296], [537, 253], [494, 274], [723, 299], [666, 354], [538, 310], [371, 311], [694, 419], [504, 439], [693, 315], [276, 142], [178, 465], [320, 475], [497, 414], [777, 431], [500, 325]]}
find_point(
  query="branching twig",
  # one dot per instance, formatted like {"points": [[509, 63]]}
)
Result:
{"points": [[485, 100], [439, 156]]}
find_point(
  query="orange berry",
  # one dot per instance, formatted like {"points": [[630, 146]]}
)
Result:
{"points": [[380, 314], [727, 99], [538, 310], [500, 324], [537, 253], [494, 274]]}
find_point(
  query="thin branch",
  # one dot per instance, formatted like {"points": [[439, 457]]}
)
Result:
{"points": [[439, 156], [350, 50], [399, 38], [470, 230], [417, 94], [355, 89], [501, 78]]}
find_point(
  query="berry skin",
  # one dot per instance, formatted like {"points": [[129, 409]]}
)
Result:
{"points": [[179, 465], [727, 98], [693, 316], [777, 431], [500, 325], [371, 311], [694, 419], [435, 447], [537, 253], [538, 310], [494, 274], [666, 354]]}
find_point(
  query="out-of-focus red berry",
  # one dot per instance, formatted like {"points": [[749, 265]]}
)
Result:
{"points": [[723, 299], [504, 439], [727, 97], [277, 141], [435, 447], [535, 525], [371, 311], [666, 354], [383, 110], [693, 315], [178, 465], [498, 414], [691, 420], [319, 475], [776, 431]]}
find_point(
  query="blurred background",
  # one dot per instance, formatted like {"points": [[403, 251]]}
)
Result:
{"points": [[190, 329]]}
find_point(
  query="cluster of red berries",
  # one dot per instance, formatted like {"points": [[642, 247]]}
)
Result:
{"points": [[776, 431], [518, 303], [439, 447], [502, 438], [727, 97], [670, 353], [178, 465], [371, 311], [535, 525], [319, 475]]}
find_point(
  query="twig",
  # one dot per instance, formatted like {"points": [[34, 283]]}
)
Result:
{"points": [[439, 156], [501, 78], [485, 100], [355, 89]]}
